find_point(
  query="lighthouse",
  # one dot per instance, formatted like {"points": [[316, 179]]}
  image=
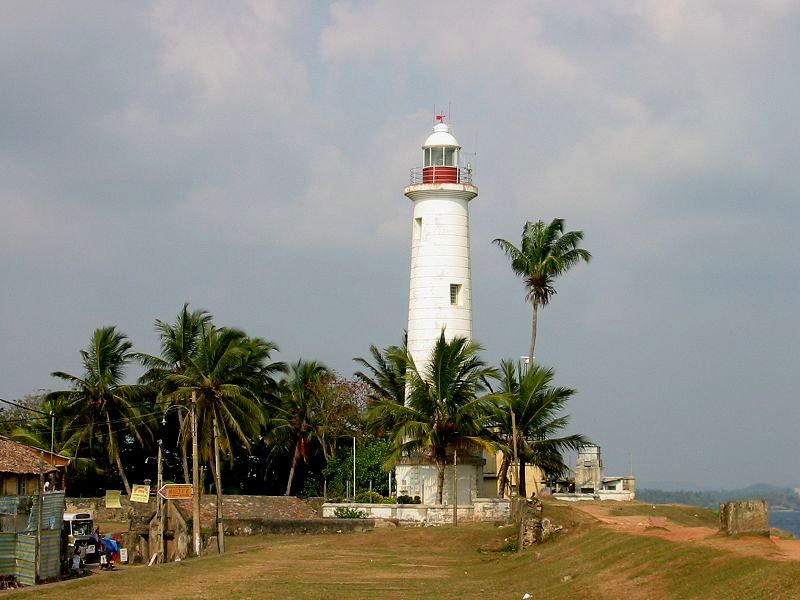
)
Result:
{"points": [[440, 294]]}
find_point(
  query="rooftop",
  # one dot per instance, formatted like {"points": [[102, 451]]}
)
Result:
{"points": [[23, 460]]}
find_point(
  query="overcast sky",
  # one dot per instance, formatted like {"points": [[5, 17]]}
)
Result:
{"points": [[250, 158]]}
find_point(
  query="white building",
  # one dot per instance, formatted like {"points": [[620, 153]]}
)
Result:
{"points": [[440, 294]]}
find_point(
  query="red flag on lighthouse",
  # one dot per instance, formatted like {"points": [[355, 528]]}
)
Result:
{"points": [[440, 118]]}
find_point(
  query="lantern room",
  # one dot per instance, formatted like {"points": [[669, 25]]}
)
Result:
{"points": [[440, 158]]}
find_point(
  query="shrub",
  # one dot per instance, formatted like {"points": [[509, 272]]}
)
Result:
{"points": [[345, 512], [371, 498], [405, 499]]}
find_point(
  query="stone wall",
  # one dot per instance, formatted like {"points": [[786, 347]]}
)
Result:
{"points": [[296, 526], [235, 508], [744, 517]]}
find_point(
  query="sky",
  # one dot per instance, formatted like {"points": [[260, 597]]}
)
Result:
{"points": [[250, 158]]}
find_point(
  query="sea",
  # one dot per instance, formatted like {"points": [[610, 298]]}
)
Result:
{"points": [[786, 519]]}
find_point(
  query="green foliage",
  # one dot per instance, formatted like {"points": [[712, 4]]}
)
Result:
{"points": [[537, 405], [346, 512], [371, 453], [545, 253], [100, 409], [385, 377], [404, 499], [372, 498], [443, 409]]}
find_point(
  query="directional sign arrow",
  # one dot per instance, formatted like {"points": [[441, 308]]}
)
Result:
{"points": [[176, 491]]}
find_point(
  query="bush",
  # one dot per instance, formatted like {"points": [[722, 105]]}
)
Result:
{"points": [[408, 500], [345, 512], [372, 498]]}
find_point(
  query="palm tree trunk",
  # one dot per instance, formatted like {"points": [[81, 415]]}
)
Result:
{"points": [[522, 489], [295, 456], [113, 449], [218, 485], [534, 319], [184, 459], [502, 475], [440, 483]]}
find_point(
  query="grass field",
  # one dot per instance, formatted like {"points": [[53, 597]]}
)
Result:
{"points": [[689, 516], [587, 562]]}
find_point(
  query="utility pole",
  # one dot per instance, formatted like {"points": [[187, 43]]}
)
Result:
{"points": [[160, 506], [354, 467], [195, 481], [40, 507]]}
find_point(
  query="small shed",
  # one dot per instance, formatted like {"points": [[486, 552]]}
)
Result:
{"points": [[21, 467]]}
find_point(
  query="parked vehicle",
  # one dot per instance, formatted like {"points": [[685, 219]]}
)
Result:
{"points": [[78, 529]]}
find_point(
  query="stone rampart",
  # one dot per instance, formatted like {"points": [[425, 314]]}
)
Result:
{"points": [[749, 517]]}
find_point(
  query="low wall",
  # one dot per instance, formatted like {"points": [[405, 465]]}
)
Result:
{"points": [[620, 496], [481, 510], [235, 507], [296, 526]]}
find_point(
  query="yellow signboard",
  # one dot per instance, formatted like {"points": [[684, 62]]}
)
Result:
{"points": [[140, 493], [112, 499]]}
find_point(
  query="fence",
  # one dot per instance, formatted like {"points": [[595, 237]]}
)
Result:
{"points": [[19, 522]]}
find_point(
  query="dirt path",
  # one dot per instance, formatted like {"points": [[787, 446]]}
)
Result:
{"points": [[771, 548]]}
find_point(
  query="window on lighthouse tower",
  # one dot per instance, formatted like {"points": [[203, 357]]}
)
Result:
{"points": [[455, 294]]}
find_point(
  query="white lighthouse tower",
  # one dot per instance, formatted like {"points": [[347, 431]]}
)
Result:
{"points": [[440, 295]]}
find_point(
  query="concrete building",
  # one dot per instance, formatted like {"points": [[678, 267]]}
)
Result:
{"points": [[440, 291], [589, 482]]}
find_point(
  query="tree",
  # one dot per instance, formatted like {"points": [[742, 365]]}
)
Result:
{"points": [[386, 378], [546, 252], [229, 375], [179, 342], [537, 407], [99, 405], [295, 420], [443, 411], [38, 430]]}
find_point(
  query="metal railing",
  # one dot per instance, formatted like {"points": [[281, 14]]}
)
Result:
{"points": [[441, 174]]}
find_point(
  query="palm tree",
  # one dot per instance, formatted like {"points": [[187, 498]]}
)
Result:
{"points": [[545, 253], [178, 345], [386, 376], [99, 405], [443, 411], [38, 433], [295, 421], [537, 406], [228, 374]]}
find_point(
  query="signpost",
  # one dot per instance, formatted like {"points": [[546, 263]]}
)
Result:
{"points": [[176, 491]]}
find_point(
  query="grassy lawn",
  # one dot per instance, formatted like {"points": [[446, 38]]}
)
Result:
{"points": [[689, 516], [587, 562]]}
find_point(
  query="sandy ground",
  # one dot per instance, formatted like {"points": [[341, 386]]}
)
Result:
{"points": [[771, 548]]}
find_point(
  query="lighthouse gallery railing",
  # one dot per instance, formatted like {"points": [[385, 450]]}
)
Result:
{"points": [[441, 174]]}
